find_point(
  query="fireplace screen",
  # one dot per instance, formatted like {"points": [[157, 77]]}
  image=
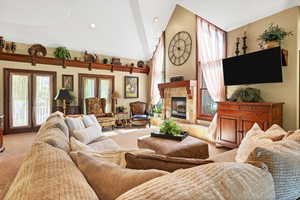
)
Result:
{"points": [[179, 107]]}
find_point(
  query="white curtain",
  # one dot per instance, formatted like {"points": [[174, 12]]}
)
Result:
{"points": [[157, 72], [211, 51]]}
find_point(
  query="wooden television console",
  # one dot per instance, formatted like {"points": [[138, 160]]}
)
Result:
{"points": [[236, 118]]}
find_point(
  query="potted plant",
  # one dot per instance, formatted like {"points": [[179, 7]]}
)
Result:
{"points": [[156, 110], [62, 53], [105, 60], [273, 36], [169, 129]]}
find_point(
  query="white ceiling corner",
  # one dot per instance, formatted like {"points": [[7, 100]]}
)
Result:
{"points": [[124, 28]]}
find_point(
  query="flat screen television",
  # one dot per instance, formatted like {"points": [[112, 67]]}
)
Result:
{"points": [[258, 67]]}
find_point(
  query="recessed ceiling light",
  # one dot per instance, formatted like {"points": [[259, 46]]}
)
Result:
{"points": [[93, 26], [155, 19]]}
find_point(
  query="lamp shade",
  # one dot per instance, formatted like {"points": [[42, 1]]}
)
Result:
{"points": [[115, 95], [63, 94]]}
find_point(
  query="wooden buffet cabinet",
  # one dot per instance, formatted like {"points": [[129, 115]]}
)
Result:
{"points": [[236, 118]]}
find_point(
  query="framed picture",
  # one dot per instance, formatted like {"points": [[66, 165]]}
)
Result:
{"points": [[68, 82], [131, 87]]}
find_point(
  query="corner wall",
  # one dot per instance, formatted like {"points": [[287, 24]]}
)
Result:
{"points": [[288, 90]]}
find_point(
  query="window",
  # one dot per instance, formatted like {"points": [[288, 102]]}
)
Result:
{"points": [[211, 42], [207, 107], [92, 85], [28, 99]]}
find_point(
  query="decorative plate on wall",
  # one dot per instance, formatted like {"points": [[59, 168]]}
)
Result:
{"points": [[180, 48]]}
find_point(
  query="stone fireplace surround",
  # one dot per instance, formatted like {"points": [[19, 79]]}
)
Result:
{"points": [[186, 89]]}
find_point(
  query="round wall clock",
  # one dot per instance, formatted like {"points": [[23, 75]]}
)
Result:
{"points": [[180, 48]]}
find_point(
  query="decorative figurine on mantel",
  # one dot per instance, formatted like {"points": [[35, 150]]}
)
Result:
{"points": [[13, 47], [88, 58], [244, 38], [37, 50], [2, 43], [7, 47], [237, 51]]}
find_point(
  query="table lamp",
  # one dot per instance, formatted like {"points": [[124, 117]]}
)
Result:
{"points": [[115, 96], [64, 96]]}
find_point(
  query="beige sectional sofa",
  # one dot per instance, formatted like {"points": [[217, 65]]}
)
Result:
{"points": [[49, 173]]}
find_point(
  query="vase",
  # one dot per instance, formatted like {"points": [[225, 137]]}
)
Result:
{"points": [[271, 44], [2, 43]]}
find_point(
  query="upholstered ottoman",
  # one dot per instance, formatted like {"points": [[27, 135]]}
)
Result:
{"points": [[190, 147]]}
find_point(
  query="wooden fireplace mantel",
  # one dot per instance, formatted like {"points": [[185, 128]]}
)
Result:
{"points": [[188, 85]]}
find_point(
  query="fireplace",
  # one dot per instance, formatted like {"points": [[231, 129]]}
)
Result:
{"points": [[179, 107]]}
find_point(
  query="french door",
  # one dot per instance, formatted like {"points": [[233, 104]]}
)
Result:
{"points": [[100, 86], [28, 99]]}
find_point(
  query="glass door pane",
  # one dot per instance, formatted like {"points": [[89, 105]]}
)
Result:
{"points": [[20, 100], [42, 98], [105, 91], [89, 90]]}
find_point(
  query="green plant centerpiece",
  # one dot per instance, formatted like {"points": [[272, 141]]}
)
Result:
{"points": [[170, 127], [246, 95], [273, 36], [62, 53]]}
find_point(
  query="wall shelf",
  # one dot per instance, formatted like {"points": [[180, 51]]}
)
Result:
{"points": [[69, 63]]}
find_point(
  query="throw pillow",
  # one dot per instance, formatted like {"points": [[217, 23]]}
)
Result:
{"points": [[90, 120], [109, 180], [112, 156], [161, 162], [215, 181], [87, 135], [283, 161], [275, 133], [74, 123], [250, 142], [295, 136], [76, 145]]}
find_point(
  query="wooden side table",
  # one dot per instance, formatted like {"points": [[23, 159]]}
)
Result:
{"points": [[122, 119], [1, 133]]}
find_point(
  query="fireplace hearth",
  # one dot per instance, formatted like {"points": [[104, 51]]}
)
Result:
{"points": [[178, 107]]}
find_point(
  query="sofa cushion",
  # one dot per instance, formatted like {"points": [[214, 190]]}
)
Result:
{"points": [[215, 181], [55, 137], [283, 161], [110, 180], [87, 135], [74, 123], [161, 162], [48, 173]]}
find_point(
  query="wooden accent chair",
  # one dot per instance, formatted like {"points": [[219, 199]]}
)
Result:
{"points": [[138, 113], [97, 106]]}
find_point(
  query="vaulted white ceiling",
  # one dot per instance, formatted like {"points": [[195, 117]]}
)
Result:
{"points": [[124, 28]]}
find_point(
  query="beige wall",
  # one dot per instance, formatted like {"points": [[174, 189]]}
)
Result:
{"points": [[181, 20], [287, 91], [119, 76]]}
